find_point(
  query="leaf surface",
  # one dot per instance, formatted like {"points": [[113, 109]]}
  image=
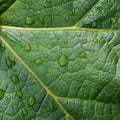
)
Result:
{"points": [[60, 60]]}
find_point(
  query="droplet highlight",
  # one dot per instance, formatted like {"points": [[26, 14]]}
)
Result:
{"points": [[27, 47], [38, 61], [25, 111], [10, 63], [63, 60], [2, 92], [29, 20], [14, 79], [31, 101], [19, 94]]}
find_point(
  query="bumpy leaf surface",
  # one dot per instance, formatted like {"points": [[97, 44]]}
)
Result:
{"points": [[60, 60]]}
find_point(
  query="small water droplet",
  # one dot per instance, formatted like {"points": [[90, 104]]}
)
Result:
{"points": [[31, 101], [10, 63], [2, 92], [83, 55], [27, 47], [63, 60], [94, 24], [65, 41], [38, 12], [113, 20], [67, 19], [79, 76], [48, 1], [38, 61], [25, 111], [42, 20], [19, 94], [46, 55], [14, 79], [29, 20], [27, 7], [73, 11], [95, 40]]}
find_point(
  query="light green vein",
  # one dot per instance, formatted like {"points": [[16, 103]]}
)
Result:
{"points": [[90, 101], [56, 29], [36, 77]]}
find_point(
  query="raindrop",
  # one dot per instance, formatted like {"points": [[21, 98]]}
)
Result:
{"points": [[25, 111], [38, 61], [27, 7], [48, 1], [79, 76], [10, 63], [94, 24], [29, 20], [2, 92], [14, 79], [63, 60], [83, 55], [27, 47], [67, 19], [46, 55], [66, 41], [42, 20], [38, 12], [95, 40], [19, 94], [31, 101], [113, 20]]}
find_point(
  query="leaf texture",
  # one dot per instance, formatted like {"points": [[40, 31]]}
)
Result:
{"points": [[60, 60]]}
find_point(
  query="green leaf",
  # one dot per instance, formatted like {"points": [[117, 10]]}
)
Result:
{"points": [[60, 60]]}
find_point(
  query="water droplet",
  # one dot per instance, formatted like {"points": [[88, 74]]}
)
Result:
{"points": [[113, 20], [38, 12], [10, 63], [29, 20], [27, 7], [19, 94], [2, 92], [25, 111], [46, 55], [42, 20], [63, 60], [27, 47], [48, 1], [94, 24], [38, 61], [73, 11], [31, 101], [83, 55], [67, 19], [14, 79], [95, 40], [66, 41], [79, 76]]}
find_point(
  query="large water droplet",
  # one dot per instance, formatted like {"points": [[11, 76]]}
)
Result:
{"points": [[63, 60], [38, 61], [31, 101], [10, 63], [29, 20], [14, 79], [19, 94], [113, 20], [2, 92], [48, 1], [42, 20], [25, 111], [27, 47]]}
